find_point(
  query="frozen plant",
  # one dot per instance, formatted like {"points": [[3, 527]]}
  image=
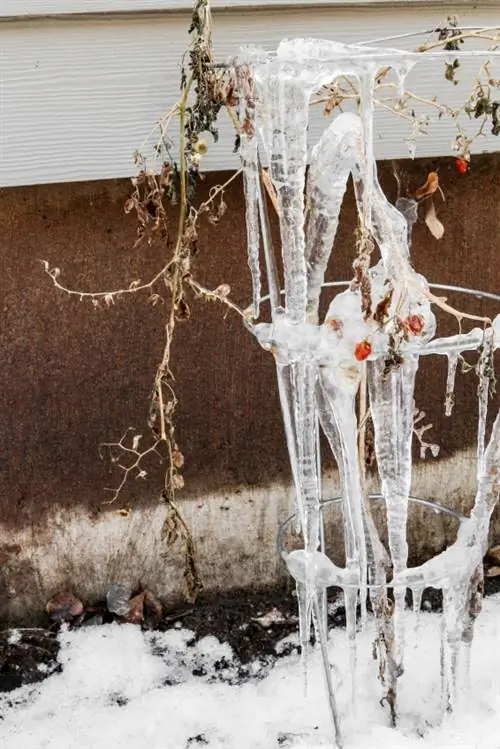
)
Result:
{"points": [[373, 336]]}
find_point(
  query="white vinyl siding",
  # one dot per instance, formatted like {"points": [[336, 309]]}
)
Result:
{"points": [[78, 96], [27, 8]]}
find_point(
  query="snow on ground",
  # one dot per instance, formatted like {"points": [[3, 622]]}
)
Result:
{"points": [[120, 688]]}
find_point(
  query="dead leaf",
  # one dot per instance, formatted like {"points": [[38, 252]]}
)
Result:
{"points": [[492, 562], [153, 610], [274, 616], [493, 572], [434, 225], [429, 187], [136, 609], [494, 553], [64, 607], [383, 306]]}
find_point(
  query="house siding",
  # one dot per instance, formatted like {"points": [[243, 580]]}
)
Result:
{"points": [[79, 96]]}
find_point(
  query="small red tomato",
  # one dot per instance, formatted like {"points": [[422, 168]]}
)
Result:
{"points": [[363, 350], [462, 165], [415, 324], [334, 324]]}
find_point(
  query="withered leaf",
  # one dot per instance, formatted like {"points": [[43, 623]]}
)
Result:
{"points": [[494, 553], [429, 187], [153, 610], [63, 607], [434, 225], [177, 458], [382, 309], [136, 609]]}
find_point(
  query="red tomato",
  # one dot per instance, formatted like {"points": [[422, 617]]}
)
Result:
{"points": [[363, 350]]}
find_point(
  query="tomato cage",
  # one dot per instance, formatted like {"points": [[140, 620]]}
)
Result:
{"points": [[360, 358]]}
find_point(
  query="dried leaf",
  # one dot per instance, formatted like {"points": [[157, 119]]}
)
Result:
{"points": [[153, 610], [170, 531], [64, 607], [383, 306], [494, 553], [492, 562], [177, 481], [430, 186], [136, 609], [177, 458], [434, 225], [493, 572]]}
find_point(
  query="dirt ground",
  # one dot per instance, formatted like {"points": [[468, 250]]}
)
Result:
{"points": [[252, 624]]}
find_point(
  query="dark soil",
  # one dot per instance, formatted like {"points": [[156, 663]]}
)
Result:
{"points": [[29, 657], [252, 624]]}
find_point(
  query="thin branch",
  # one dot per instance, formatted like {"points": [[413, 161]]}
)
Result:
{"points": [[139, 456], [479, 34], [219, 294], [108, 296]]}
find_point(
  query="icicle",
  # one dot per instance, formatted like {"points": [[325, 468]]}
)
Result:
{"points": [[392, 414], [249, 159], [484, 370], [401, 73], [329, 686], [450, 383], [351, 603], [416, 594], [483, 412], [285, 387], [313, 573], [445, 700], [453, 618], [391, 398], [252, 219], [338, 420], [305, 617], [331, 162], [286, 102], [270, 259]]}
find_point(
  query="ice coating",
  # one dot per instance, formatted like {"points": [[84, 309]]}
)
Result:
{"points": [[330, 167], [450, 383], [248, 150], [379, 328]]}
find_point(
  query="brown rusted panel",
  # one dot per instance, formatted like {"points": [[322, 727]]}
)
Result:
{"points": [[73, 376]]}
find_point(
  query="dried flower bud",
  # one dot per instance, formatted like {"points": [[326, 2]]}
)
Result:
{"points": [[223, 290], [200, 146]]}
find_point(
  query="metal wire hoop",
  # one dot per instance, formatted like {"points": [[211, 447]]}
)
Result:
{"points": [[430, 504], [478, 293]]}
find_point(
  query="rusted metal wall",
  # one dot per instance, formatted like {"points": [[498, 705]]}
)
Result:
{"points": [[74, 376]]}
